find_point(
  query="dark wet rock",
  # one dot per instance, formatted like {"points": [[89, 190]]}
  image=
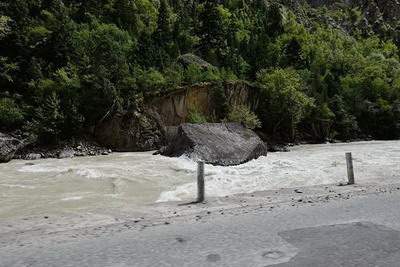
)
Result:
{"points": [[131, 131], [65, 149], [8, 147], [278, 148], [222, 144]]}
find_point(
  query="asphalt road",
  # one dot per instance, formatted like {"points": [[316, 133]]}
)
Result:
{"points": [[361, 231]]}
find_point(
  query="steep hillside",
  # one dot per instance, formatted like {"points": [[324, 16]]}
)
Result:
{"points": [[322, 69]]}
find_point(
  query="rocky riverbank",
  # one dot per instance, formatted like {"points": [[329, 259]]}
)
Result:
{"points": [[14, 146], [70, 149]]}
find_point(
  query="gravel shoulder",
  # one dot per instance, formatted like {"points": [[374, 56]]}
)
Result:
{"points": [[46, 230]]}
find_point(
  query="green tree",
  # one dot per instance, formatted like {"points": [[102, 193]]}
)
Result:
{"points": [[284, 102], [243, 114], [101, 55], [11, 115]]}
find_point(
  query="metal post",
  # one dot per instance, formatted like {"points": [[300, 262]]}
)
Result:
{"points": [[200, 181], [350, 170]]}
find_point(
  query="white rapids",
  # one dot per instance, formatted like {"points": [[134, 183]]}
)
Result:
{"points": [[132, 179]]}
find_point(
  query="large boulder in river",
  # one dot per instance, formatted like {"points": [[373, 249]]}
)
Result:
{"points": [[131, 131], [216, 143], [8, 146]]}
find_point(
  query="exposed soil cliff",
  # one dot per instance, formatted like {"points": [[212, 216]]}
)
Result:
{"points": [[206, 98]]}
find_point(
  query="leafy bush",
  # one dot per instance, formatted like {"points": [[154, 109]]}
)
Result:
{"points": [[195, 74], [243, 114], [48, 120], [173, 76], [5, 28], [11, 115], [284, 102], [152, 80], [195, 116]]}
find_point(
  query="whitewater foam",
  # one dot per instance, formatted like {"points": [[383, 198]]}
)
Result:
{"points": [[128, 179], [305, 166]]}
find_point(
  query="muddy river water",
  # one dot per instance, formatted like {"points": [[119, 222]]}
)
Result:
{"points": [[123, 180]]}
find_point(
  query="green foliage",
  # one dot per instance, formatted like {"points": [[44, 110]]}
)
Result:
{"points": [[101, 54], [5, 28], [174, 76], [196, 74], [243, 114], [7, 69], [285, 103], [195, 116], [193, 74], [11, 115], [48, 120], [152, 80], [326, 72]]}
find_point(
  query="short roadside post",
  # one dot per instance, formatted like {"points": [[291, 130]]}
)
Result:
{"points": [[200, 181], [350, 169]]}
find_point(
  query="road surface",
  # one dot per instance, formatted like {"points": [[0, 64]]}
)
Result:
{"points": [[363, 230]]}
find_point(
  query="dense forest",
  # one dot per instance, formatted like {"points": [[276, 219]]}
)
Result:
{"points": [[325, 71]]}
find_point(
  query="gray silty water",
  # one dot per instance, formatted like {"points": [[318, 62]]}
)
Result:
{"points": [[125, 180]]}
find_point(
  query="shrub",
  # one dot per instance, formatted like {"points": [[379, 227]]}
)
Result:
{"points": [[11, 115], [152, 80], [193, 74], [195, 116], [284, 103], [243, 114], [48, 120], [173, 76]]}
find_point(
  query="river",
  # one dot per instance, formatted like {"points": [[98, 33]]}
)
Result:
{"points": [[123, 180]]}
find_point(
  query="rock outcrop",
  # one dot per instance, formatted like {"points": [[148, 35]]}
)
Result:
{"points": [[206, 98], [131, 131], [8, 146], [216, 143]]}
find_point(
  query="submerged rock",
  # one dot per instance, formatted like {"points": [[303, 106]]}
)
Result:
{"points": [[216, 143], [8, 146]]}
